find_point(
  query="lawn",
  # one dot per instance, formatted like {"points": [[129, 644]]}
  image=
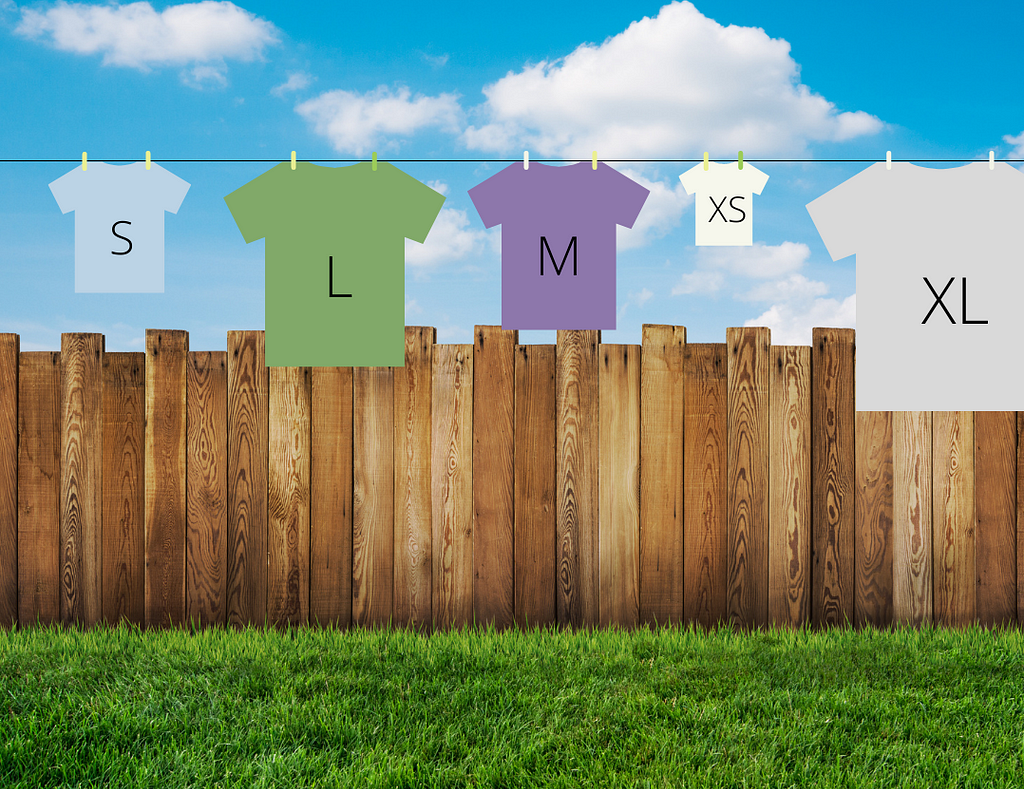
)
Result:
{"points": [[670, 708]]}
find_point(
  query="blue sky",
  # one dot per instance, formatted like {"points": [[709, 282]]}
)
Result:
{"points": [[461, 80]]}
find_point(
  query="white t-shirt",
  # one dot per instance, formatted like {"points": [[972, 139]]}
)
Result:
{"points": [[119, 224], [724, 203], [920, 233]]}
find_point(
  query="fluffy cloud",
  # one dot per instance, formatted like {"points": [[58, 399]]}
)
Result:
{"points": [[760, 261], [451, 237], [660, 214], [355, 123], [791, 324], [202, 35], [297, 80], [679, 82], [1017, 143]]}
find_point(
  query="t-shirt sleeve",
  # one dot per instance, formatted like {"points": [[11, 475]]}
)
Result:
{"points": [[424, 203], [838, 215], [626, 197], [489, 197], [690, 178], [756, 179], [252, 205], [67, 190], [172, 190]]}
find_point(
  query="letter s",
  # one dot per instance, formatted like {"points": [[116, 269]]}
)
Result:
{"points": [[113, 229], [735, 207]]}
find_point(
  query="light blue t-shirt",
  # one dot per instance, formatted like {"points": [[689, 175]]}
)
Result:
{"points": [[119, 224]]}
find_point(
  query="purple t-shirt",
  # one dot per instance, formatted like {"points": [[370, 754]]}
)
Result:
{"points": [[558, 241]]}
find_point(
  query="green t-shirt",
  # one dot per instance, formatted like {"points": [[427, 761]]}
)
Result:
{"points": [[335, 230]]}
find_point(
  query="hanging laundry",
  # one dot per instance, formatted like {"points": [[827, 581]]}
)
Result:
{"points": [[938, 281], [119, 224], [724, 207], [558, 241], [335, 259]]}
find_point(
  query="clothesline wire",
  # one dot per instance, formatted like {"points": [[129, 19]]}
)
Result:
{"points": [[486, 161]]}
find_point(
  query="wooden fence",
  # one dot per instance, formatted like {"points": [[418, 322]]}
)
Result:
{"points": [[582, 484]]}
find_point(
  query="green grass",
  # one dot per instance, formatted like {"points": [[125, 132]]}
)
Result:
{"points": [[118, 707]]}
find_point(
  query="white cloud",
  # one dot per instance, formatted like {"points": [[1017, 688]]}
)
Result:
{"points": [[661, 212], [451, 238], [760, 260], [297, 80], [699, 282], [411, 309], [796, 287], [675, 83], [437, 61], [635, 299], [791, 324], [137, 36], [1018, 143], [355, 123]]}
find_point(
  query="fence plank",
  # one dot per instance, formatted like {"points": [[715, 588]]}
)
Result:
{"points": [[534, 487], [248, 385], [748, 386], [373, 493], [412, 479], [995, 497], [206, 494], [577, 396], [706, 552], [166, 353], [452, 482], [1020, 516], [124, 499], [39, 414], [955, 566], [288, 496], [912, 517], [81, 470], [662, 393], [493, 474], [330, 522], [873, 516], [789, 531], [10, 349], [619, 480], [833, 459]]}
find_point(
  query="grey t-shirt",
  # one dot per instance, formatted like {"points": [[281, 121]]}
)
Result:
{"points": [[920, 233], [119, 224]]}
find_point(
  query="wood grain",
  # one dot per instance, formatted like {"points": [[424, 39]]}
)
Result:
{"points": [[873, 516], [288, 496], [833, 468], [166, 355], [789, 531], [749, 351], [619, 483], [373, 494], [577, 394], [10, 349], [206, 488], [954, 562], [330, 520], [493, 475], [124, 499], [662, 392], [248, 386], [39, 415], [412, 587], [706, 551], [452, 485], [912, 517], [534, 487], [81, 478], [995, 501]]}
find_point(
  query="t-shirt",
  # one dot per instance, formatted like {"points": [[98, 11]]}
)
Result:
{"points": [[919, 234], [119, 224], [724, 206], [335, 259], [558, 241]]}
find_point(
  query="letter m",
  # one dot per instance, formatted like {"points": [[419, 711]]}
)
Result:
{"points": [[558, 268]]}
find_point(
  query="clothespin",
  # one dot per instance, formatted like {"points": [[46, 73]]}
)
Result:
{"points": [[85, 160], [526, 160], [373, 164], [740, 160], [593, 160], [991, 160], [147, 160], [293, 160], [888, 160], [705, 160]]}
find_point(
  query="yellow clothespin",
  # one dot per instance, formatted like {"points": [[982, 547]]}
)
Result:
{"points": [[526, 160], [991, 160], [740, 160], [148, 162], [705, 160], [293, 160], [888, 160], [593, 160], [373, 164], [85, 160]]}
